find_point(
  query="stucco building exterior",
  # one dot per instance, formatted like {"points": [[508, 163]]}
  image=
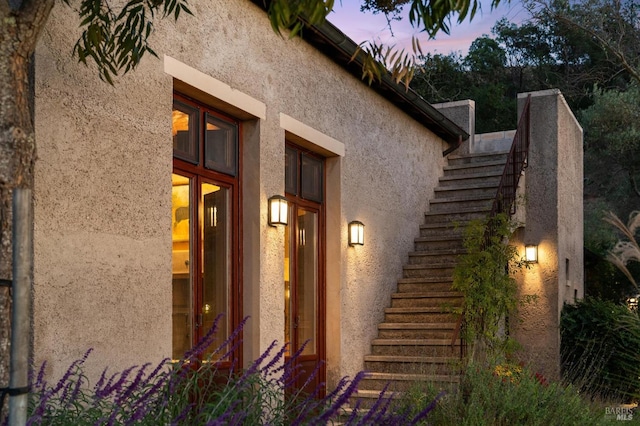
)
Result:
{"points": [[151, 196]]}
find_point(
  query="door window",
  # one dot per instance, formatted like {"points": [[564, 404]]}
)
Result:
{"points": [[205, 227]]}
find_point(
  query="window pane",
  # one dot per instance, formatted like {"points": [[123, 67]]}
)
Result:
{"points": [[288, 274], [311, 178], [185, 131], [291, 171], [221, 146], [181, 254], [307, 279], [216, 253]]}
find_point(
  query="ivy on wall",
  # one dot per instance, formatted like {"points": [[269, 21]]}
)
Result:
{"points": [[485, 275]]}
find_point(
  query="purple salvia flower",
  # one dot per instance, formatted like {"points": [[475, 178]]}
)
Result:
{"points": [[117, 386], [76, 391], [204, 343], [100, 380], [255, 365], [106, 389], [71, 370], [349, 391], [40, 379], [379, 409], [266, 370], [134, 385]]}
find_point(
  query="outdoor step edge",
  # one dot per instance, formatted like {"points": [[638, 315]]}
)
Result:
{"points": [[477, 209], [466, 186], [417, 280], [418, 310], [478, 197], [426, 295], [413, 342], [416, 326], [475, 165], [412, 377], [412, 359], [442, 265], [465, 176], [477, 155]]}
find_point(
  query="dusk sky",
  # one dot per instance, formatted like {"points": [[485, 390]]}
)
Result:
{"points": [[362, 27]]}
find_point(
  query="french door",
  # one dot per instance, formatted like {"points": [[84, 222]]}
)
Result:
{"points": [[205, 230], [304, 280]]}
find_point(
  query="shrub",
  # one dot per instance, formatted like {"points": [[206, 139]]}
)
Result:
{"points": [[505, 395], [485, 276], [196, 393], [600, 349]]}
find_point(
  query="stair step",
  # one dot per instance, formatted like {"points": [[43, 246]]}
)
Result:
{"points": [[409, 330], [413, 342], [460, 215], [454, 204], [470, 178], [447, 242], [468, 189], [427, 270], [435, 257], [465, 184], [447, 300], [427, 295], [404, 364], [442, 229], [395, 382], [367, 398], [419, 314], [422, 284], [479, 157], [474, 167]]}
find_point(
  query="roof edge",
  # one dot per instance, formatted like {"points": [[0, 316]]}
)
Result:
{"points": [[335, 44]]}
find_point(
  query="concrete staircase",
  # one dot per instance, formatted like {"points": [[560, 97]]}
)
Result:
{"points": [[414, 342]]}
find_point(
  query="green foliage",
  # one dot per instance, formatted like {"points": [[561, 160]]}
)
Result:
{"points": [[600, 349], [611, 24], [486, 397], [288, 14], [612, 149], [117, 40], [485, 276]]}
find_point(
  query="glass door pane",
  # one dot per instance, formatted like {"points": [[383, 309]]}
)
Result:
{"points": [[307, 279], [216, 262], [288, 274], [181, 260]]}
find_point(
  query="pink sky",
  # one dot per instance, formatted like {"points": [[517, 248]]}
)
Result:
{"points": [[362, 27]]}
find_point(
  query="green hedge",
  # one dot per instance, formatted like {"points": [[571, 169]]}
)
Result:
{"points": [[600, 349]]}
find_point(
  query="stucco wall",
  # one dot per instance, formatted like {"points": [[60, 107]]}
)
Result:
{"points": [[553, 221], [102, 194]]}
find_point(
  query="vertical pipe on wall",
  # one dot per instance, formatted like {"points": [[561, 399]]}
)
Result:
{"points": [[21, 316]]}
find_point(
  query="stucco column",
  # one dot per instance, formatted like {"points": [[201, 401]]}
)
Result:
{"points": [[553, 216]]}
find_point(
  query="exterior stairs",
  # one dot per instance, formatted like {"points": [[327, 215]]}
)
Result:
{"points": [[414, 342]]}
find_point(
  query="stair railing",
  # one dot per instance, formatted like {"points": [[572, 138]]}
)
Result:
{"points": [[504, 201]]}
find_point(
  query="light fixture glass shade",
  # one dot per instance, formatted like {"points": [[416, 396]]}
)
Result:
{"points": [[278, 210], [531, 253], [356, 233]]}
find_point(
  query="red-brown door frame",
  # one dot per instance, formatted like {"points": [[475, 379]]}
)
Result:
{"points": [[198, 173]]}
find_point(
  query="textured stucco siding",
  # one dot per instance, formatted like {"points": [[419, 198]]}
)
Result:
{"points": [[553, 221], [102, 193]]}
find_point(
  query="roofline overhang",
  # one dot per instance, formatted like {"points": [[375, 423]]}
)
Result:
{"points": [[328, 39]]}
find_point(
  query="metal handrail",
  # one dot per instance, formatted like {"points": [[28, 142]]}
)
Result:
{"points": [[504, 201]]}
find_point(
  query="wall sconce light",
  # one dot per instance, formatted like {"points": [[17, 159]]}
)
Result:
{"points": [[531, 253], [356, 233], [278, 211]]}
